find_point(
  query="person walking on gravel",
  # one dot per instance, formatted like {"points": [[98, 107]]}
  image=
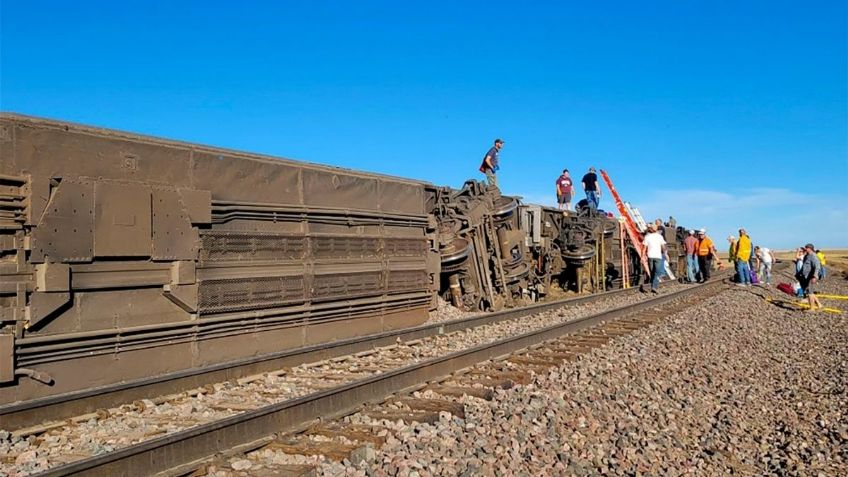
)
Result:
{"points": [[706, 253], [743, 254], [765, 260], [654, 247], [490, 166], [564, 190], [808, 276], [689, 245]]}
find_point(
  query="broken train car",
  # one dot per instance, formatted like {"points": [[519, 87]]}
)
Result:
{"points": [[124, 257]]}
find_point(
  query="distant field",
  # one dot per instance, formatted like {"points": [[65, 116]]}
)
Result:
{"points": [[837, 260]]}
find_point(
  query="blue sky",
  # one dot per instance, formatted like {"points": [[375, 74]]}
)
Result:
{"points": [[722, 114]]}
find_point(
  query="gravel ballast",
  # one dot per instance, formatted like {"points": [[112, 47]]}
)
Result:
{"points": [[736, 386]]}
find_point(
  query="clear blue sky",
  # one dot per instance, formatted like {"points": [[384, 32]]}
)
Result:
{"points": [[723, 114]]}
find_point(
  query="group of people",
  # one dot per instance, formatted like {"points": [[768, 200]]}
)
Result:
{"points": [[564, 184], [699, 249], [753, 264], [809, 270], [565, 189]]}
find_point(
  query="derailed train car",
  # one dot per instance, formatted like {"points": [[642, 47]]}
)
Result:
{"points": [[124, 256], [497, 252]]}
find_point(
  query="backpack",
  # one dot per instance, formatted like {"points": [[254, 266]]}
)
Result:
{"points": [[786, 288]]}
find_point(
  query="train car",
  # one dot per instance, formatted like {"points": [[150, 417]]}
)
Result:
{"points": [[125, 256], [497, 252]]}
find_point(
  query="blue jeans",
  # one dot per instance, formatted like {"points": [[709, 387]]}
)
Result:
{"points": [[592, 199], [691, 267], [655, 266], [744, 272]]}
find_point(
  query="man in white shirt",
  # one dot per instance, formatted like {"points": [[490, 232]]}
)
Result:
{"points": [[765, 259], [654, 247]]}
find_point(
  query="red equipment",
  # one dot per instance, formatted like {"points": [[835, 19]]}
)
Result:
{"points": [[629, 224]]}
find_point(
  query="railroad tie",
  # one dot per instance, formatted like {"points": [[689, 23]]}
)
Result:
{"points": [[424, 417], [458, 391], [349, 432], [483, 381], [332, 450], [516, 377], [525, 360], [436, 405]]}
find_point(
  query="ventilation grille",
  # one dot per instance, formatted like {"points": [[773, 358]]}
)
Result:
{"points": [[346, 285], [236, 294], [345, 247], [230, 246], [408, 280], [406, 247]]}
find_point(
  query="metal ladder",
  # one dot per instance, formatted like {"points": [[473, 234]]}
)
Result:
{"points": [[629, 224]]}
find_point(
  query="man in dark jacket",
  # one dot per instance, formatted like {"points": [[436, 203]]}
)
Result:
{"points": [[808, 276], [590, 186]]}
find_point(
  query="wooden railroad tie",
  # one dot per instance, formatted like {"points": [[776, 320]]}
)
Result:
{"points": [[458, 391], [304, 446], [433, 405]]}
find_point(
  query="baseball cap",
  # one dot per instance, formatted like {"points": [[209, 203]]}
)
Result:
{"points": [[702, 231], [809, 245]]}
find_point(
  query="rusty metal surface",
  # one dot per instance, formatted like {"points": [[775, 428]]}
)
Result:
{"points": [[180, 256], [20, 415], [204, 441]]}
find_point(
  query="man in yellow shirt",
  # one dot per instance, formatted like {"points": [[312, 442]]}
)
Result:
{"points": [[822, 259], [742, 255]]}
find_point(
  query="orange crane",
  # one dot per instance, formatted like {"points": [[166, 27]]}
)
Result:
{"points": [[629, 224]]}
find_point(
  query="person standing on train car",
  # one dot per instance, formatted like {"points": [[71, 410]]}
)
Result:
{"points": [[654, 247], [564, 190], [490, 164], [590, 187]]}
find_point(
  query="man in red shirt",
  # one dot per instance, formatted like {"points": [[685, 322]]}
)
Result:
{"points": [[690, 244], [564, 190]]}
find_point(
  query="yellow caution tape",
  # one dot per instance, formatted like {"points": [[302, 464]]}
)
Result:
{"points": [[803, 305], [835, 297]]}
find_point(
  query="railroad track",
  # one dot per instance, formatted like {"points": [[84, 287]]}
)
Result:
{"points": [[351, 437], [83, 404], [392, 369]]}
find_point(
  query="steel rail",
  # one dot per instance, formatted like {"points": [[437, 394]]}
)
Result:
{"points": [[62, 406], [254, 427]]}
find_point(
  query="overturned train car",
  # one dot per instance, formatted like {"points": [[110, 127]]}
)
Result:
{"points": [[124, 257], [496, 252]]}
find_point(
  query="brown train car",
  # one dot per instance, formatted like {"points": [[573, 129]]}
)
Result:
{"points": [[124, 256]]}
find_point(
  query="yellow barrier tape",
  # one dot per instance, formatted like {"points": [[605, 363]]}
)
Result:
{"points": [[835, 297], [802, 305]]}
